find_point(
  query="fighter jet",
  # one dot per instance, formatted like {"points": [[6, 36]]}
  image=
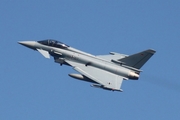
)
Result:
{"points": [[103, 71]]}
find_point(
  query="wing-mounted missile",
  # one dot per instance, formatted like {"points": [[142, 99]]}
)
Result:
{"points": [[97, 86], [102, 87], [44, 53]]}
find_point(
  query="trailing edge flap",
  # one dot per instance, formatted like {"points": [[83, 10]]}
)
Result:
{"points": [[44, 53], [105, 78], [139, 59]]}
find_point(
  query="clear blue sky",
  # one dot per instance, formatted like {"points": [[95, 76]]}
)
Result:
{"points": [[35, 88]]}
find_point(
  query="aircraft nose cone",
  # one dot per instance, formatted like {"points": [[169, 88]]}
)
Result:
{"points": [[29, 44]]}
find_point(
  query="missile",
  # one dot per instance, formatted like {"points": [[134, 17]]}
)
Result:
{"points": [[105, 88], [81, 77]]}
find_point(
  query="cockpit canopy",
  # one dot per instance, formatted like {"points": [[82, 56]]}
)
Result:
{"points": [[53, 43]]}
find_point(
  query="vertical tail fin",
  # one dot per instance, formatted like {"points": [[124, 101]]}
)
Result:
{"points": [[139, 59]]}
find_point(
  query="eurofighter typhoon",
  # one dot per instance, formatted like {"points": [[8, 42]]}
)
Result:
{"points": [[103, 71]]}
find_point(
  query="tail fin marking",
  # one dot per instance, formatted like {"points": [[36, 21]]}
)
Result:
{"points": [[139, 59]]}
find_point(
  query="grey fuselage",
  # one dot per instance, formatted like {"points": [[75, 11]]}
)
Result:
{"points": [[72, 54]]}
